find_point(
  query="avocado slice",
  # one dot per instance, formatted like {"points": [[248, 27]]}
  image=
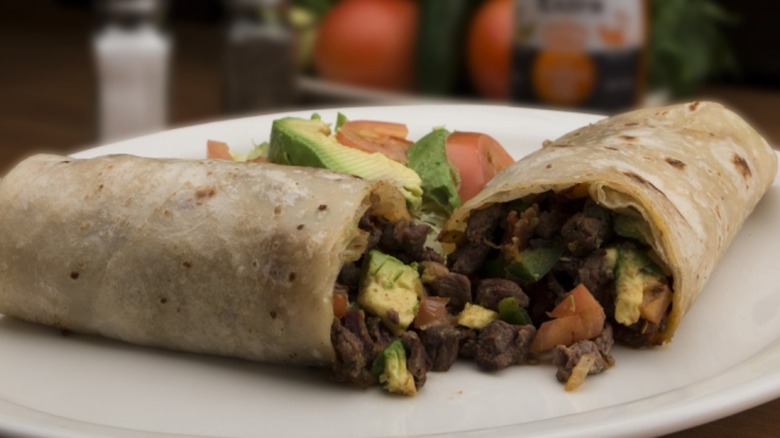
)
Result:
{"points": [[428, 157], [390, 290], [476, 317], [307, 142], [635, 274], [390, 367]]}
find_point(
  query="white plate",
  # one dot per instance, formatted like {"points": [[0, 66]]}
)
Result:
{"points": [[725, 357]]}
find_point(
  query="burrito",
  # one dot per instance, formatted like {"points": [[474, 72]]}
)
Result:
{"points": [[205, 256], [636, 210]]}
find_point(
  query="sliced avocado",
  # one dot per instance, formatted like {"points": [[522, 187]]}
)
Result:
{"points": [[307, 142], [390, 367], [635, 274], [476, 317], [390, 290], [440, 181], [531, 264]]}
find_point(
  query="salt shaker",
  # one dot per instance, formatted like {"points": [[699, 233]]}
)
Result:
{"points": [[132, 53]]}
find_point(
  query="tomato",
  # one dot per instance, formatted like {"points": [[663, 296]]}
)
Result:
{"points": [[478, 158], [218, 150], [579, 316], [432, 310], [340, 302], [488, 49], [371, 136], [369, 43]]}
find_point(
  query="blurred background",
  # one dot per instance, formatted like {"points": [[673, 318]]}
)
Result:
{"points": [[78, 73]]}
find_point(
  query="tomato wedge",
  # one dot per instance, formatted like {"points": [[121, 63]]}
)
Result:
{"points": [[218, 150], [340, 302], [579, 316], [387, 138], [478, 158]]}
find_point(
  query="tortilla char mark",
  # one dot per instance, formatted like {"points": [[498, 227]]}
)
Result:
{"points": [[742, 166], [675, 163], [641, 180], [203, 194]]}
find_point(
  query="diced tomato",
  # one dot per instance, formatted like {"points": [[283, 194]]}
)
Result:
{"points": [[432, 311], [578, 300], [218, 150], [340, 302], [655, 303], [478, 158], [579, 316], [371, 136]]}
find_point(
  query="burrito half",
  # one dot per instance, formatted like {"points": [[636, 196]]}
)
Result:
{"points": [[202, 256], [637, 208]]}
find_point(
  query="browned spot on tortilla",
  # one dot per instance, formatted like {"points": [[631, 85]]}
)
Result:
{"points": [[611, 148], [100, 187], [549, 166], [64, 161], [85, 226], [662, 113], [204, 194], [299, 227], [641, 180], [627, 137], [74, 275], [322, 207], [631, 124], [675, 163], [292, 276], [273, 314], [167, 213], [163, 300], [546, 143], [694, 105], [255, 264], [278, 210], [186, 264], [742, 166]]}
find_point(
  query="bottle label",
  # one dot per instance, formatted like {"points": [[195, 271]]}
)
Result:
{"points": [[579, 53]]}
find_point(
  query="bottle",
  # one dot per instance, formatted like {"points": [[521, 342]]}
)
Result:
{"points": [[132, 53], [260, 70], [583, 54]]}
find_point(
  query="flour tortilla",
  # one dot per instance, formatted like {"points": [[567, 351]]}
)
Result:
{"points": [[203, 256], [693, 172]]}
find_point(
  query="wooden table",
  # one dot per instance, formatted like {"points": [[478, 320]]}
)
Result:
{"points": [[48, 104]]}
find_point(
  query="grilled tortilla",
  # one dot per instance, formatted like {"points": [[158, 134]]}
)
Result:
{"points": [[203, 256]]}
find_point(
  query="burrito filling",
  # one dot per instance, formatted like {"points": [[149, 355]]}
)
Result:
{"points": [[586, 274], [529, 277]]}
